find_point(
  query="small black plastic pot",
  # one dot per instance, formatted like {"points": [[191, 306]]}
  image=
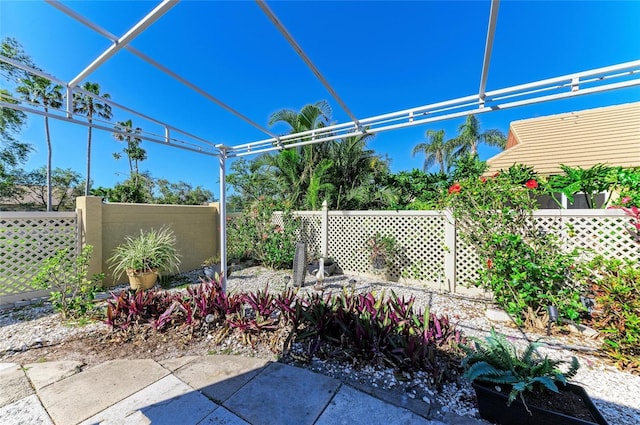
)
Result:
{"points": [[493, 407]]}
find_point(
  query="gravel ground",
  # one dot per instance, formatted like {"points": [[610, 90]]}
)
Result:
{"points": [[614, 392]]}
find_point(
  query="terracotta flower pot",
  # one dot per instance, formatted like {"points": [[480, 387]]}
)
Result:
{"points": [[142, 280]]}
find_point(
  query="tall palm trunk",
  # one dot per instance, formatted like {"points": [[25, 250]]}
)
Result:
{"points": [[87, 185], [49, 194]]}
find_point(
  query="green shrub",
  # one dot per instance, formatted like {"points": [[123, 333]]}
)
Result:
{"points": [[255, 235], [72, 293], [532, 274], [616, 287], [523, 265]]}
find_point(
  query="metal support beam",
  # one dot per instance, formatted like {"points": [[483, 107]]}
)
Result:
{"points": [[488, 47], [287, 35], [71, 13], [61, 116], [582, 83], [223, 216], [71, 90], [136, 30]]}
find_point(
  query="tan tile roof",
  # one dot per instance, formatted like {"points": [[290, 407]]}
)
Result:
{"points": [[608, 135]]}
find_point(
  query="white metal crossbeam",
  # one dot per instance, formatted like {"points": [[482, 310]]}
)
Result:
{"points": [[287, 35], [71, 13], [117, 45], [582, 83], [493, 19]]}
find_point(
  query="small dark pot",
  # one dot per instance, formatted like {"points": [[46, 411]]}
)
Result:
{"points": [[329, 268], [210, 271], [493, 407]]}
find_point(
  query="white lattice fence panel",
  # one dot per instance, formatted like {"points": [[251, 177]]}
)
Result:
{"points": [[602, 232], [26, 240], [419, 238], [467, 263], [309, 226]]}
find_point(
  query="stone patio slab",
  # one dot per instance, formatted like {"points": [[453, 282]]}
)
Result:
{"points": [[14, 384], [177, 363], [43, 374], [350, 406], [283, 395], [218, 377], [168, 401], [28, 410], [83, 395], [222, 416]]}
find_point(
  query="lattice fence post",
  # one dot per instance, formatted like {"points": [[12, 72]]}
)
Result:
{"points": [[450, 251]]}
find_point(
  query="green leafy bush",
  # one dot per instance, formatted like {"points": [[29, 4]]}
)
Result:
{"points": [[496, 361], [72, 293], [532, 274], [615, 285], [255, 235], [523, 265]]}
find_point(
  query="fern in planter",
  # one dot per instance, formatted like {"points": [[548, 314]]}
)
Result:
{"points": [[496, 361]]}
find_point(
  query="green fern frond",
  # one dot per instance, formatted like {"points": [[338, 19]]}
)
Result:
{"points": [[495, 360]]}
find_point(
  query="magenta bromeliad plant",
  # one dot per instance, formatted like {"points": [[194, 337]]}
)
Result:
{"points": [[384, 331]]}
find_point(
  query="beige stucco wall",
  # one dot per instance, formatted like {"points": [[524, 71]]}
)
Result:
{"points": [[105, 226]]}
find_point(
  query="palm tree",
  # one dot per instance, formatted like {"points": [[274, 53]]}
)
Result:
{"points": [[286, 168], [353, 166], [436, 150], [89, 106], [41, 91], [470, 136], [134, 152], [311, 117]]}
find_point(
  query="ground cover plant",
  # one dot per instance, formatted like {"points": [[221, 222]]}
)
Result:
{"points": [[615, 286], [364, 329]]}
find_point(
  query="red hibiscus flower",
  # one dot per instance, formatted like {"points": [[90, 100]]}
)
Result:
{"points": [[455, 188], [483, 179], [531, 184], [489, 263]]}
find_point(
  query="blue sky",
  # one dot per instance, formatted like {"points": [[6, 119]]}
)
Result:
{"points": [[379, 56]]}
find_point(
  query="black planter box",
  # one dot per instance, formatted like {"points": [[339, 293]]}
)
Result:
{"points": [[493, 407]]}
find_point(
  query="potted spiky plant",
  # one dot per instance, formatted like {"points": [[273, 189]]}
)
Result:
{"points": [[143, 257], [525, 389]]}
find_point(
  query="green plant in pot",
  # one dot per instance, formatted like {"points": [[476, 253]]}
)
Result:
{"points": [[525, 388], [144, 256], [382, 251]]}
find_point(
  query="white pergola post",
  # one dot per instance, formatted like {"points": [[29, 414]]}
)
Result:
{"points": [[223, 218], [323, 240]]}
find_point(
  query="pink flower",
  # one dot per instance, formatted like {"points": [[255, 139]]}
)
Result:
{"points": [[626, 199], [531, 184]]}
